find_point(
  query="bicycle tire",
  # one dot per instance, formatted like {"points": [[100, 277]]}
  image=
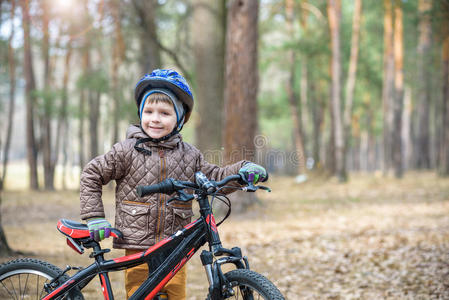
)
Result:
{"points": [[24, 278], [247, 284]]}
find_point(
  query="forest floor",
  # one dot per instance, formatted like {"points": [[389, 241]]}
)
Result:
{"points": [[371, 238]]}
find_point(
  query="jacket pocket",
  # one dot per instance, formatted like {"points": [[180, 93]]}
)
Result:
{"points": [[181, 217], [135, 219]]}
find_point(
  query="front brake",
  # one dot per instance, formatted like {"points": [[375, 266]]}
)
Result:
{"points": [[182, 196], [251, 188]]}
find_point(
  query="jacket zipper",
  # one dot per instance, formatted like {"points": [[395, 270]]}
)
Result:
{"points": [[161, 200]]}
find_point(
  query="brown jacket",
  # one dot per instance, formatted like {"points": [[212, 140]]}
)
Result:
{"points": [[147, 220]]}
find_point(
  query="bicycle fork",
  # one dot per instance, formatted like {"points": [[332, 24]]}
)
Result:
{"points": [[219, 286]]}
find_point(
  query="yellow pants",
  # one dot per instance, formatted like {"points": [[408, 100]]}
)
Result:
{"points": [[134, 277]]}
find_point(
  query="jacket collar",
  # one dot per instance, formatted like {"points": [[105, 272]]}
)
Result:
{"points": [[136, 132]]}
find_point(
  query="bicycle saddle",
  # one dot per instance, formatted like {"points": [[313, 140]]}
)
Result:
{"points": [[77, 230], [73, 229]]}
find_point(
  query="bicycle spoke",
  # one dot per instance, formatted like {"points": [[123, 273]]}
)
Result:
{"points": [[13, 289], [25, 287], [42, 293], [9, 292]]}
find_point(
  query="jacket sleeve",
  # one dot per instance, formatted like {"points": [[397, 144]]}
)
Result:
{"points": [[99, 171], [217, 173]]}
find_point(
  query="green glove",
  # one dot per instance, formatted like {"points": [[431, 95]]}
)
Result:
{"points": [[99, 228], [253, 173]]}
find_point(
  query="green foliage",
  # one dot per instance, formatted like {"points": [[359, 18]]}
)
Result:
{"points": [[47, 102], [95, 80]]}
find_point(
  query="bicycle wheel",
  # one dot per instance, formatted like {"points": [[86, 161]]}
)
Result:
{"points": [[24, 278], [249, 285]]}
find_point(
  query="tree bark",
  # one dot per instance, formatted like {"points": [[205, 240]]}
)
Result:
{"points": [[209, 25], [352, 74], [61, 131], [304, 85], [241, 84], [82, 104], [118, 51], [317, 106], [334, 15], [46, 129], [12, 94], [424, 61], [4, 246], [387, 87], [406, 128], [444, 148], [398, 91], [150, 57], [30, 86], [292, 99], [94, 116]]}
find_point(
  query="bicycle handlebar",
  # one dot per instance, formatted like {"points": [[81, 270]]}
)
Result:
{"points": [[165, 187], [170, 185]]}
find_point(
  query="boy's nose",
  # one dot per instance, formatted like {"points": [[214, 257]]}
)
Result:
{"points": [[156, 118]]}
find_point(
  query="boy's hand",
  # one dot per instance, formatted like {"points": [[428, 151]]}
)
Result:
{"points": [[253, 173], [99, 228]]}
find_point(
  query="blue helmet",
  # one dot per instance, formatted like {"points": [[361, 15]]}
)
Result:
{"points": [[168, 79]]}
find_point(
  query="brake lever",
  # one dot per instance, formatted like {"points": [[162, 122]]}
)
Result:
{"points": [[251, 188], [182, 196], [265, 188], [173, 199]]}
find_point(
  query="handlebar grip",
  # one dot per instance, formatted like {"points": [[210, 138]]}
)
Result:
{"points": [[166, 187], [116, 233]]}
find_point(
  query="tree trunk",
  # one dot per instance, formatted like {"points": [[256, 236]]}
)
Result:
{"points": [[241, 85], [94, 116], [46, 129], [82, 104], [5, 250], [292, 99], [398, 91], [444, 149], [12, 95], [406, 128], [150, 57], [61, 131], [209, 25], [422, 150], [304, 86], [334, 14], [30, 86], [352, 74], [370, 120], [317, 106], [387, 88], [118, 50]]}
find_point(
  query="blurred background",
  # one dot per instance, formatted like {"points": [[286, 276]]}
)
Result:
{"points": [[348, 94], [334, 86]]}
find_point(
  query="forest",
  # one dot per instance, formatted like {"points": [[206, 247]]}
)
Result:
{"points": [[331, 86], [350, 97]]}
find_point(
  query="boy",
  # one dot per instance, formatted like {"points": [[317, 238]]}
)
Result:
{"points": [[152, 152]]}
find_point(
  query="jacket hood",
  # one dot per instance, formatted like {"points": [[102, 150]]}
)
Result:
{"points": [[136, 132]]}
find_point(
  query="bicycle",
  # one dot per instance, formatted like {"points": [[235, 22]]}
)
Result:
{"points": [[24, 278]]}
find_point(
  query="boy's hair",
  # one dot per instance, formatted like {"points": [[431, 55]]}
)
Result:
{"points": [[158, 97]]}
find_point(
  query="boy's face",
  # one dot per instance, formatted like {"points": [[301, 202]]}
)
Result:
{"points": [[158, 119]]}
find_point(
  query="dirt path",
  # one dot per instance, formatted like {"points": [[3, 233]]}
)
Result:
{"points": [[373, 238]]}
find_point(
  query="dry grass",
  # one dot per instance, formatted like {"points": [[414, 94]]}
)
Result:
{"points": [[370, 238]]}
